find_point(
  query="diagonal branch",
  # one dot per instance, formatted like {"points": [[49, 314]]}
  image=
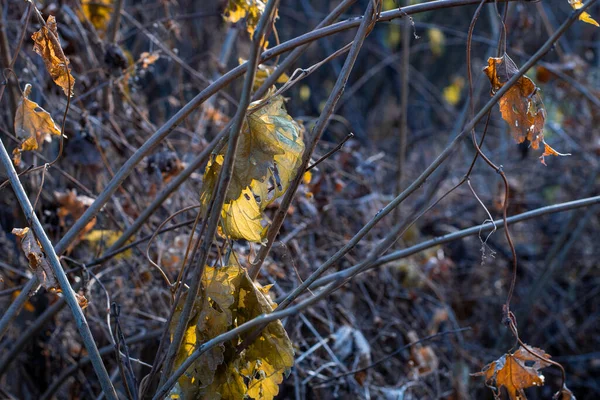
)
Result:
{"points": [[63, 281]]}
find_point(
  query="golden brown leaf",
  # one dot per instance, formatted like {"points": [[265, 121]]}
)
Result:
{"points": [[516, 371], [37, 259], [585, 17], [521, 106], [47, 45], [33, 125]]}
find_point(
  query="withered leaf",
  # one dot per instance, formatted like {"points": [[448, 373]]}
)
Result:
{"points": [[47, 45], [267, 159], [521, 106], [33, 125], [147, 59], [37, 259], [516, 371], [230, 298]]}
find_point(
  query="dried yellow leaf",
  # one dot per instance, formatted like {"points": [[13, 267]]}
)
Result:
{"points": [[585, 17], [249, 9], [33, 125], [267, 159], [230, 298], [47, 45], [105, 238]]}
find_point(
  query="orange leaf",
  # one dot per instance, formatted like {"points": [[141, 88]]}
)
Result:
{"points": [[48, 46], [549, 151], [516, 371], [521, 106]]}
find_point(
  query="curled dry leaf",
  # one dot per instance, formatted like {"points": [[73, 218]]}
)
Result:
{"points": [[37, 259], [47, 45], [33, 125], [585, 17], [521, 106], [516, 371]]}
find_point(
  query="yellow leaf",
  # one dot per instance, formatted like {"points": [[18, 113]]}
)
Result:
{"points": [[47, 45], [249, 9], [265, 380], [452, 92], [98, 12], [585, 17], [437, 41], [307, 177], [267, 159], [229, 298], [33, 125], [304, 92]]}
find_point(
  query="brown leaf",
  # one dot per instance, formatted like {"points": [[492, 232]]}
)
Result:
{"points": [[516, 371], [73, 205], [48, 46], [521, 106], [33, 125], [37, 259]]}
